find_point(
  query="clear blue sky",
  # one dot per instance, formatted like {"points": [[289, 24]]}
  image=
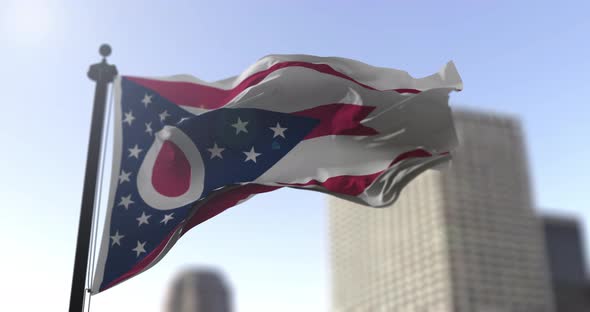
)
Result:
{"points": [[527, 58]]}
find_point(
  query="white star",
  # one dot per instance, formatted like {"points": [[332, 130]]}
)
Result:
{"points": [[147, 99], [216, 151], [240, 126], [117, 239], [124, 176], [164, 115], [143, 219], [126, 201], [251, 155], [148, 128], [140, 248], [278, 131], [167, 218], [129, 118], [134, 152]]}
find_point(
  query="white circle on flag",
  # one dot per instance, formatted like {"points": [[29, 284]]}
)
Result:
{"points": [[144, 177]]}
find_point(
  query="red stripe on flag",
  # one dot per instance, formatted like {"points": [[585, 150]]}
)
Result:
{"points": [[413, 91], [195, 95], [338, 119], [355, 184], [224, 200]]}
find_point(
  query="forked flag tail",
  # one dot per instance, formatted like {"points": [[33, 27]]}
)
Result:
{"points": [[185, 150]]}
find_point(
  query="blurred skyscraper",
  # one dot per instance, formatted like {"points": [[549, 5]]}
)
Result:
{"points": [[463, 239], [199, 291], [567, 265]]}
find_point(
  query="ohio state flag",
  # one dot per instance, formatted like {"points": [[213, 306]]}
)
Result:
{"points": [[186, 150]]}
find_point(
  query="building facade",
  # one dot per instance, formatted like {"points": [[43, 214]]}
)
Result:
{"points": [[464, 238], [199, 291], [564, 245]]}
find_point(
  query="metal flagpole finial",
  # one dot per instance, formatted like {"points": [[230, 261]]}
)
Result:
{"points": [[105, 50], [103, 71]]}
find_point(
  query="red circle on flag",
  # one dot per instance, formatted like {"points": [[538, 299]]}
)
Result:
{"points": [[171, 175]]}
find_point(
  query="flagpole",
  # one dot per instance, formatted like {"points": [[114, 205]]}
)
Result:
{"points": [[103, 74]]}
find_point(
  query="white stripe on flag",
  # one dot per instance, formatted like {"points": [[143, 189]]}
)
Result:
{"points": [[377, 77]]}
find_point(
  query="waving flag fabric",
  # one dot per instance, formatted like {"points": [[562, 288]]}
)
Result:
{"points": [[186, 150]]}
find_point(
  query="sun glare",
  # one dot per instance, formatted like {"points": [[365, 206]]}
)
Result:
{"points": [[28, 21]]}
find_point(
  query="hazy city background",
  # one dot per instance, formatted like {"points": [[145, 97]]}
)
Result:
{"points": [[528, 59], [464, 237]]}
